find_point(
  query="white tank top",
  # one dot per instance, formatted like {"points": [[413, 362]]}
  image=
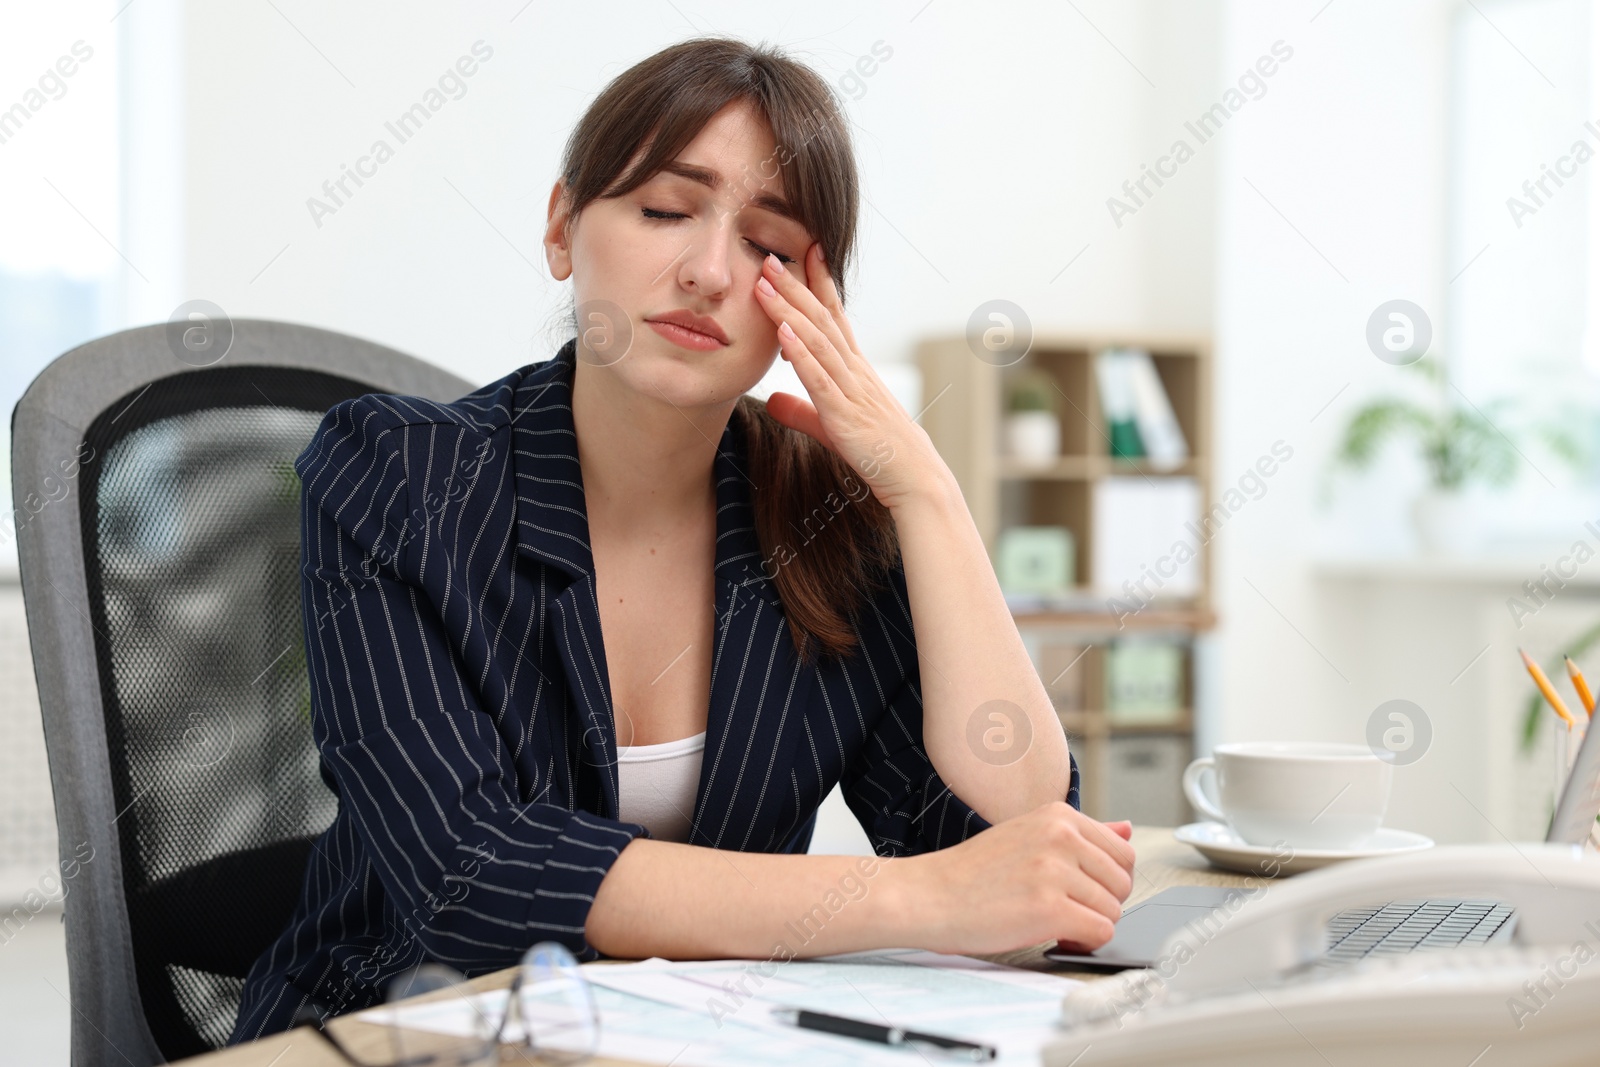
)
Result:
{"points": [[658, 784]]}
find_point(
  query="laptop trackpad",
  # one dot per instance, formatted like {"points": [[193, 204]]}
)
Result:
{"points": [[1143, 927]]}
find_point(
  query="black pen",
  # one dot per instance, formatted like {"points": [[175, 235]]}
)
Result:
{"points": [[886, 1035]]}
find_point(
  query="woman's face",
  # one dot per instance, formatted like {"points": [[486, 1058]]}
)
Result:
{"points": [[690, 240]]}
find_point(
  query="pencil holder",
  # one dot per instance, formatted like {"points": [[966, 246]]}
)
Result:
{"points": [[1567, 742]]}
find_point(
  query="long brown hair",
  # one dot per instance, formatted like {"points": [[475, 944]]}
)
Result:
{"points": [[826, 541]]}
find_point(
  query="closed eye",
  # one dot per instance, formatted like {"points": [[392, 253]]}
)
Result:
{"points": [[768, 251], [668, 216]]}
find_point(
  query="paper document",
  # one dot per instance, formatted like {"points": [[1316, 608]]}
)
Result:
{"points": [[716, 1013]]}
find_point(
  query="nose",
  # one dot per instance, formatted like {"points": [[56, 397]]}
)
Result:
{"points": [[706, 268]]}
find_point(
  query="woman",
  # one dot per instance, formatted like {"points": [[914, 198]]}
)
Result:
{"points": [[589, 646]]}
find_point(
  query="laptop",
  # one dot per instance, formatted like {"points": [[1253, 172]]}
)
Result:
{"points": [[1383, 929]]}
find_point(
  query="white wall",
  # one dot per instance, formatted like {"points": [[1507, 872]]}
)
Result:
{"points": [[1348, 150], [1332, 198], [987, 143]]}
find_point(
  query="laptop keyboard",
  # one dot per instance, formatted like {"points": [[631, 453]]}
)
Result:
{"points": [[1403, 926]]}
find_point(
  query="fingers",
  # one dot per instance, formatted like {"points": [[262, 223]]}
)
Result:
{"points": [[780, 305], [1099, 865], [1114, 844], [801, 288], [1082, 885], [1084, 927], [791, 301], [820, 281], [1076, 847], [1092, 848], [819, 382], [797, 414]]}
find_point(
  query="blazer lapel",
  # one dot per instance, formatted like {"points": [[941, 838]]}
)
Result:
{"points": [[553, 528], [757, 685], [755, 678]]}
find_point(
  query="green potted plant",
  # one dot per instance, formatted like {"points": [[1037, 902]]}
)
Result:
{"points": [[1032, 430], [1459, 442]]}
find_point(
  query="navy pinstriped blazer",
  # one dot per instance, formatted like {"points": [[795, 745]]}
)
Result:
{"points": [[462, 708]]}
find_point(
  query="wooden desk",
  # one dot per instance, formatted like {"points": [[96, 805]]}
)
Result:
{"points": [[1162, 862]]}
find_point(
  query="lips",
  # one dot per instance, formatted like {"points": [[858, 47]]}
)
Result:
{"points": [[700, 324]]}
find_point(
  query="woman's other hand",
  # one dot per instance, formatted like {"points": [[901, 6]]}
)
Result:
{"points": [[1050, 874]]}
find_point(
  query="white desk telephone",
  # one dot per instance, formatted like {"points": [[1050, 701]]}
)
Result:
{"points": [[1249, 985]]}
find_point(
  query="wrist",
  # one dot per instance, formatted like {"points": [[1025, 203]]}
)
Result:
{"points": [[932, 493], [903, 916]]}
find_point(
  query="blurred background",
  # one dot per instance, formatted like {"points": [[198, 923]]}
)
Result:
{"points": [[1307, 288]]}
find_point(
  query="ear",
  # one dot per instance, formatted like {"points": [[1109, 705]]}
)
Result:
{"points": [[556, 252]]}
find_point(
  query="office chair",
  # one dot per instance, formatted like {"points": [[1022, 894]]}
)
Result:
{"points": [[158, 529]]}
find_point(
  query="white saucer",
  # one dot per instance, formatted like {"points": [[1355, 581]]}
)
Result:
{"points": [[1226, 849]]}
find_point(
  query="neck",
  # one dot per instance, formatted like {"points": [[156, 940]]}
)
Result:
{"points": [[646, 462]]}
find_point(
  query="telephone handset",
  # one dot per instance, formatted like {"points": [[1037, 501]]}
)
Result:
{"points": [[1248, 984]]}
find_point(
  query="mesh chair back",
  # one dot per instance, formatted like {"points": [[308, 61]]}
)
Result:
{"points": [[195, 767]]}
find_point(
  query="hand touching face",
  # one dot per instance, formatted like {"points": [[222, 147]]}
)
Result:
{"points": [[850, 411], [686, 245]]}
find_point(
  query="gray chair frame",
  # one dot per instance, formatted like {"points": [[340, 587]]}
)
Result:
{"points": [[48, 428]]}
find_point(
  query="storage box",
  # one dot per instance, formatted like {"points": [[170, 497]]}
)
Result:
{"points": [[1144, 682], [1036, 560], [1145, 779]]}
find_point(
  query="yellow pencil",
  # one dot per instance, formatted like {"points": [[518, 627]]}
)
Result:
{"points": [[1581, 684], [1547, 689]]}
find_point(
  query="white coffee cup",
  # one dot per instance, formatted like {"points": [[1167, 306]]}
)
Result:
{"points": [[1312, 795]]}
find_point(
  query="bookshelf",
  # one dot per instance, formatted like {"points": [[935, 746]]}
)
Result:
{"points": [[1130, 767]]}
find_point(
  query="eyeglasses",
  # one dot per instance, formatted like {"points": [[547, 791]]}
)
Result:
{"points": [[548, 1015]]}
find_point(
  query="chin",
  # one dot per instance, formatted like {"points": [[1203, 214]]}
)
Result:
{"points": [[682, 377]]}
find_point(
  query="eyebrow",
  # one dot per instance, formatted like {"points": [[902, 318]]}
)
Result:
{"points": [[711, 180]]}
